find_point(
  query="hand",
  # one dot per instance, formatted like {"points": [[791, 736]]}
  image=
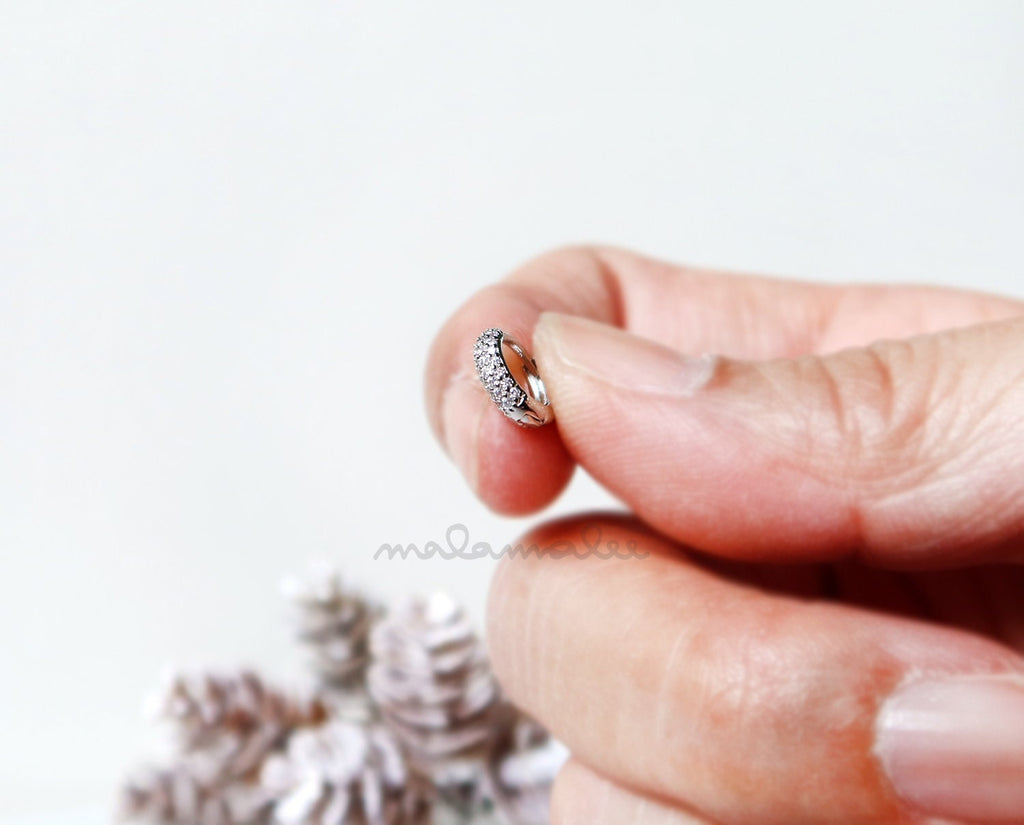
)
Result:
{"points": [[829, 626]]}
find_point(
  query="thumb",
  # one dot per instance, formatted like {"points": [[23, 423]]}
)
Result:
{"points": [[908, 453]]}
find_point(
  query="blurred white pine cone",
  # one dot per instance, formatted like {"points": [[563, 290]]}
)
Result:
{"points": [[522, 770], [225, 725], [344, 774], [333, 624], [433, 685], [174, 796]]}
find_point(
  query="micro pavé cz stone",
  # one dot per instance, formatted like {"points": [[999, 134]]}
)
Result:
{"points": [[528, 406]]}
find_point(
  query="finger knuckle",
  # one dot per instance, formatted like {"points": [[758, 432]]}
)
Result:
{"points": [[882, 407]]}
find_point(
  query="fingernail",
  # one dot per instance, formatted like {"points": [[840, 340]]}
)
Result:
{"points": [[619, 358], [462, 408], [954, 747]]}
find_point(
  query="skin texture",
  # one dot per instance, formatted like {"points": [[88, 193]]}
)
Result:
{"points": [[827, 485]]}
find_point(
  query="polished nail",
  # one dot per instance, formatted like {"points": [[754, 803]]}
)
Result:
{"points": [[618, 358], [954, 747]]}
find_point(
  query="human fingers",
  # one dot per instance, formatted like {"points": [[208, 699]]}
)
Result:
{"points": [[582, 797], [685, 308], [906, 453], [747, 706]]}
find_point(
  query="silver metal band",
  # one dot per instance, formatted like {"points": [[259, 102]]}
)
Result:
{"points": [[527, 405]]}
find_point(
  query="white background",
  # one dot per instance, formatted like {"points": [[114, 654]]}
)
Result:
{"points": [[228, 231]]}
